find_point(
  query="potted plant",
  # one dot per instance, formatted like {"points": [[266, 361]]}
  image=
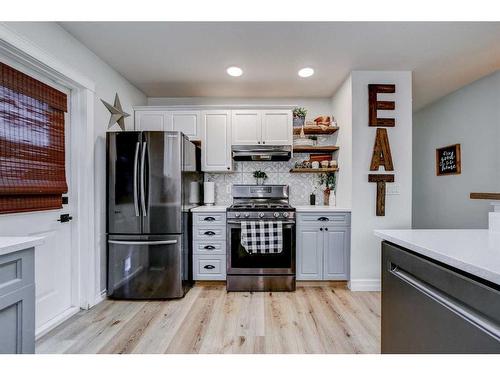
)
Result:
{"points": [[299, 116], [314, 138], [260, 177], [328, 180]]}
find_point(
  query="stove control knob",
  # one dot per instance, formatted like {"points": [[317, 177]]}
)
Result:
{"points": [[285, 214], [261, 214], [237, 214], [247, 215], [276, 214]]}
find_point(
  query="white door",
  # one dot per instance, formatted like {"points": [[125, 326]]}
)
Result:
{"points": [[246, 127], [187, 122], [277, 127], [216, 141], [150, 120], [56, 286]]}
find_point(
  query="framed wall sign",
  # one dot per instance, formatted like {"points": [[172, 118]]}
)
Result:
{"points": [[448, 160]]}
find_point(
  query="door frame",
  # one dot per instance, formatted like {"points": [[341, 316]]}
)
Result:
{"points": [[85, 250]]}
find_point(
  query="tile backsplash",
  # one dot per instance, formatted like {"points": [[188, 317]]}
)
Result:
{"points": [[301, 184]]}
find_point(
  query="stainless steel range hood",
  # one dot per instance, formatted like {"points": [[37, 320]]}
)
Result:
{"points": [[261, 153]]}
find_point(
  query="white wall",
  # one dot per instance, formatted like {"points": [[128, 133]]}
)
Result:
{"points": [[365, 248], [471, 117], [342, 110], [53, 39]]}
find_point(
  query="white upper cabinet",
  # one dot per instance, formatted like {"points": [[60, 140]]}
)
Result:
{"points": [[277, 127], [188, 122], [150, 120], [216, 141], [255, 127], [246, 127]]}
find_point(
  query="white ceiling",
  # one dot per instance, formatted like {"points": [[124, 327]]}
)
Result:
{"points": [[189, 59]]}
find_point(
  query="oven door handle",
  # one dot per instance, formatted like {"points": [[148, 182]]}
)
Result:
{"points": [[285, 223]]}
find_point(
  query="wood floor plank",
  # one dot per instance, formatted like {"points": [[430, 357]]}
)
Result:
{"points": [[325, 318]]}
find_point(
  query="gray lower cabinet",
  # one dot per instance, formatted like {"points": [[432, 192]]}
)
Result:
{"points": [[323, 246], [17, 302]]}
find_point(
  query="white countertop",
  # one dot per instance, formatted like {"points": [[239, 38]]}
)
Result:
{"points": [[321, 209], [12, 244], [209, 209], [474, 251]]}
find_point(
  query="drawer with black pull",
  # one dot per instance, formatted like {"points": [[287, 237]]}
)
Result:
{"points": [[209, 267], [209, 233], [209, 247], [216, 218], [330, 218]]}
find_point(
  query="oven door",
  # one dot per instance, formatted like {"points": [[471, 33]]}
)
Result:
{"points": [[240, 262]]}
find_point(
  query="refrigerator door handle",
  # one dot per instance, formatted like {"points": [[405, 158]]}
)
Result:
{"points": [[166, 242], [136, 160], [143, 179]]}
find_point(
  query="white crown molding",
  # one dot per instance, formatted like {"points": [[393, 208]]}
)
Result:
{"points": [[212, 106], [12, 43]]}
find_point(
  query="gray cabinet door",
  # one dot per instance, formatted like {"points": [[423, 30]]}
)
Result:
{"points": [[309, 253], [17, 321], [336, 253]]}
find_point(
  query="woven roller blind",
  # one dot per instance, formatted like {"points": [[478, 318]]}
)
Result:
{"points": [[32, 155]]}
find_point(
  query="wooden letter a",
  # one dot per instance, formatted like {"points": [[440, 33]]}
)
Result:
{"points": [[381, 152]]}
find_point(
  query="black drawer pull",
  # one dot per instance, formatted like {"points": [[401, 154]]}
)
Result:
{"points": [[209, 233], [209, 247], [209, 218], [322, 218], [209, 267]]}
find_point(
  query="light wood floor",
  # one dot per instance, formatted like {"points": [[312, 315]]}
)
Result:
{"points": [[314, 319]]}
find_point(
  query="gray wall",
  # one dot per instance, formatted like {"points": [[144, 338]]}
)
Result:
{"points": [[471, 117]]}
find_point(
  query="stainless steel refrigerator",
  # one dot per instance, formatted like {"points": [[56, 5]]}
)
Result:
{"points": [[148, 222]]}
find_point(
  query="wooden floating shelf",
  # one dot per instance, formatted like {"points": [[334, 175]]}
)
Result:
{"points": [[315, 149], [488, 196], [311, 170], [316, 130]]}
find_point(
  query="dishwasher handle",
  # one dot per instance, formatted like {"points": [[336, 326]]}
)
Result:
{"points": [[462, 310]]}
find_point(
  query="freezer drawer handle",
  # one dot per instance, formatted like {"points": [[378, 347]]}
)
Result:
{"points": [[166, 242], [209, 267], [209, 247], [450, 303], [209, 218], [209, 233]]}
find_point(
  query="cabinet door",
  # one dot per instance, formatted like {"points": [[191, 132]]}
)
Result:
{"points": [[336, 253], [246, 127], [277, 127], [309, 253], [151, 120], [187, 122], [216, 141]]}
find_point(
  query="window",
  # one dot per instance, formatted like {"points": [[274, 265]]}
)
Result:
{"points": [[32, 155]]}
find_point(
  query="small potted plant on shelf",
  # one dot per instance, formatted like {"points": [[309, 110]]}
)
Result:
{"points": [[260, 177], [314, 138], [299, 116], [328, 180]]}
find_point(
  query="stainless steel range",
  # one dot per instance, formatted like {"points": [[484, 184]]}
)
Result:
{"points": [[256, 271]]}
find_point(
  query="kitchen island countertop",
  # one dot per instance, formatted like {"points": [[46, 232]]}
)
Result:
{"points": [[475, 251]]}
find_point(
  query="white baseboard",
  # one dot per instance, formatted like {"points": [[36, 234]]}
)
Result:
{"points": [[365, 285], [53, 323]]}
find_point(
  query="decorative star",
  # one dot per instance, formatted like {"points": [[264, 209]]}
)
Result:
{"points": [[117, 114]]}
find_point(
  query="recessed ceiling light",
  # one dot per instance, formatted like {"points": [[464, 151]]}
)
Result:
{"points": [[234, 71], [306, 72]]}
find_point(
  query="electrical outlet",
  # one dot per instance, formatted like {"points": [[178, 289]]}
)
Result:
{"points": [[392, 188]]}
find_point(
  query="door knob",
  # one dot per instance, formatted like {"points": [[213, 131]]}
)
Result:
{"points": [[321, 229]]}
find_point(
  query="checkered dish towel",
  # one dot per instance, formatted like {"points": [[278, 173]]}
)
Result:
{"points": [[263, 237]]}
